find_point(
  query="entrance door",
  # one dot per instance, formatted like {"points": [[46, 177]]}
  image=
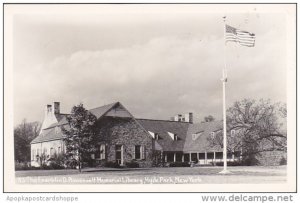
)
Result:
{"points": [[119, 154]]}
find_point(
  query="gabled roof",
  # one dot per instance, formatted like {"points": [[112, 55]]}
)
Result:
{"points": [[100, 111], [162, 127], [50, 134], [201, 144]]}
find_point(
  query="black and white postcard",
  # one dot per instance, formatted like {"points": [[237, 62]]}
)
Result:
{"points": [[149, 97]]}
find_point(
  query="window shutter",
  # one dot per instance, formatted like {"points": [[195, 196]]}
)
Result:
{"points": [[100, 151], [104, 151], [142, 152]]}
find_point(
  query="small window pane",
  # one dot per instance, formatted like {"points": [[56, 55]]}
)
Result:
{"points": [[137, 151]]}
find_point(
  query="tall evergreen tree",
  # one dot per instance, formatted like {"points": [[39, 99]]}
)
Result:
{"points": [[80, 136]]}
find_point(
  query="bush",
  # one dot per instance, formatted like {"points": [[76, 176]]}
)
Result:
{"points": [[250, 161], [111, 164], [229, 163], [71, 163], [179, 164], [132, 164], [56, 162], [157, 159], [19, 166], [55, 165], [283, 161]]}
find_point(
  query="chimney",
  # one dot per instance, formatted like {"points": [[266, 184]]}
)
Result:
{"points": [[56, 107], [189, 117], [177, 117], [48, 109]]}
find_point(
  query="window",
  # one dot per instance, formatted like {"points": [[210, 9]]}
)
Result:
{"points": [[232, 132], [102, 151], [212, 134], [33, 154], [137, 152], [119, 154], [52, 152]]}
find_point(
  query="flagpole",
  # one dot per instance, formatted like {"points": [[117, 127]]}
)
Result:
{"points": [[224, 80]]}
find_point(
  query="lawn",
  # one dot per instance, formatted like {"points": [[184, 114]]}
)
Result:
{"points": [[180, 175]]}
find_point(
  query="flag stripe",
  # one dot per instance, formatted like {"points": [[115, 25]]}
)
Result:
{"points": [[239, 36]]}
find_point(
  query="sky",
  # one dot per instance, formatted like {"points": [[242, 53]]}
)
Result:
{"points": [[158, 61]]}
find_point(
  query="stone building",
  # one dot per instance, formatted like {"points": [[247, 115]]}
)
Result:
{"points": [[125, 138]]}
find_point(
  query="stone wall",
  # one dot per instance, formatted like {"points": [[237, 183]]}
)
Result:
{"points": [[128, 133], [271, 158]]}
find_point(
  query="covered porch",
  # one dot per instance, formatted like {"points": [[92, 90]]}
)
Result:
{"points": [[202, 158]]}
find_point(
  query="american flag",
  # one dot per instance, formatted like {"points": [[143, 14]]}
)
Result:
{"points": [[242, 37]]}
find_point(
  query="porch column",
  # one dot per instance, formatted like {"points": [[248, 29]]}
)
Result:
{"points": [[174, 157], [205, 160], [198, 156], [214, 157], [190, 157], [232, 156], [122, 159], [166, 158], [182, 158]]}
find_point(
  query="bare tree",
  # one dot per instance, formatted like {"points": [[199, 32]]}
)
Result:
{"points": [[24, 133], [254, 127]]}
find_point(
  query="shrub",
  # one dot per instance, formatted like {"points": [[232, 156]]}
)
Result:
{"points": [[157, 159], [71, 163], [56, 162], [132, 164], [283, 161], [55, 165], [179, 164], [19, 166], [229, 163], [111, 164], [250, 161]]}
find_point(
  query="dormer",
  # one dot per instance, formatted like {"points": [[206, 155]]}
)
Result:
{"points": [[154, 135], [173, 136], [196, 135], [214, 133]]}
